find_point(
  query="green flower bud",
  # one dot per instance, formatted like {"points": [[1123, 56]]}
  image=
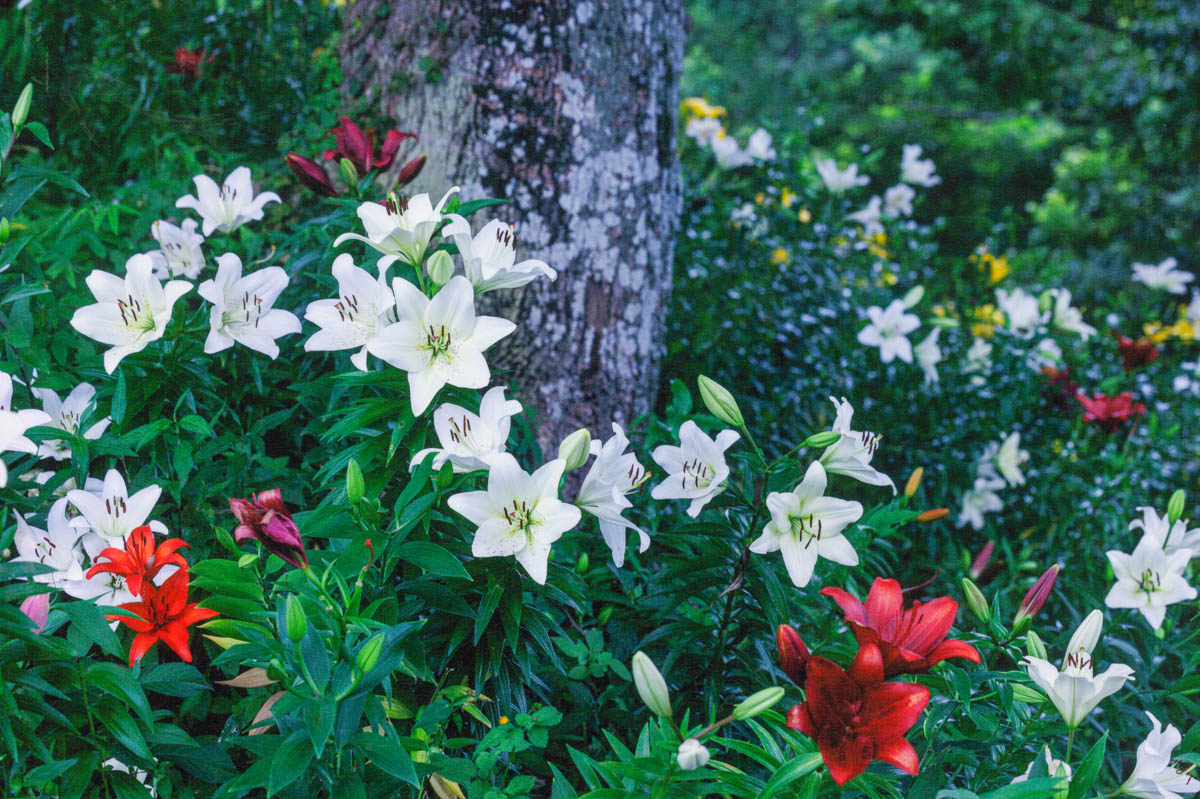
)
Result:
{"points": [[21, 109], [294, 619], [1027, 694], [975, 600], [720, 402], [651, 686], [606, 613], [1175, 506], [349, 172], [822, 440], [581, 565], [1045, 301], [354, 482], [4, 230], [574, 448], [368, 654], [440, 267], [1034, 646], [757, 702]]}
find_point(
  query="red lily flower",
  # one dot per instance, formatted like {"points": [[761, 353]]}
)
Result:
{"points": [[793, 654], [855, 717], [912, 640], [189, 62], [165, 615], [266, 519], [1109, 413], [311, 175], [359, 146], [1136, 353], [1060, 389], [141, 560]]}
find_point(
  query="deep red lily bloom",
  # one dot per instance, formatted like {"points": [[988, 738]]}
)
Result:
{"points": [[165, 615], [1109, 413], [793, 654], [912, 640], [189, 62], [1060, 389], [140, 560], [359, 146], [1136, 353], [311, 175], [267, 520], [855, 717]]}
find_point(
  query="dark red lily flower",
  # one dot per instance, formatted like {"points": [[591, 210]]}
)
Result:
{"points": [[1136, 353], [1060, 389], [140, 560], [189, 62], [793, 654], [165, 615], [311, 175], [359, 146], [911, 640], [855, 717], [1109, 413], [267, 520]]}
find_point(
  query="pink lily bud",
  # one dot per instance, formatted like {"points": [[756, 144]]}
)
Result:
{"points": [[981, 560], [793, 654], [311, 175], [1035, 598], [410, 171], [37, 608]]}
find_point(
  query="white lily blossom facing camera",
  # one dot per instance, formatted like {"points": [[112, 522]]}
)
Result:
{"points": [[242, 309], [489, 258], [54, 547], [365, 305], [850, 456], [179, 253], [929, 355], [1010, 458], [471, 441], [66, 415], [613, 474], [1021, 312], [869, 216], [129, 312], [839, 180], [696, 469], [980, 499], [114, 513], [758, 146], [1148, 580], [1154, 775], [888, 330], [1075, 690], [917, 171], [898, 200], [807, 525], [229, 206], [399, 227], [729, 153], [1165, 276], [519, 515], [705, 130]]}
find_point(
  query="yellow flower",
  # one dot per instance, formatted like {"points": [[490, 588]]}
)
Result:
{"points": [[760, 198], [805, 215], [699, 107], [997, 268], [939, 310], [879, 238], [779, 255], [986, 318], [1183, 330], [788, 198], [1156, 332], [877, 251], [503, 720], [889, 277]]}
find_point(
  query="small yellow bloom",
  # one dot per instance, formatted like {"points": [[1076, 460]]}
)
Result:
{"points": [[877, 251], [879, 238], [805, 215], [699, 107], [986, 318], [890, 278], [939, 310], [760, 198], [788, 198], [503, 720], [779, 255]]}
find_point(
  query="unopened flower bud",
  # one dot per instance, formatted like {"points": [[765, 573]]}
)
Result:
{"points": [[914, 296], [692, 755], [294, 620], [933, 515], [368, 654], [720, 402], [575, 448], [410, 171], [914, 482], [757, 702], [1045, 301], [349, 171], [793, 654], [980, 564], [651, 686], [1175, 506], [581, 565], [1087, 635], [354, 482], [976, 601], [606, 613], [440, 267], [1034, 646], [21, 109], [5, 231], [822, 440], [1034, 599]]}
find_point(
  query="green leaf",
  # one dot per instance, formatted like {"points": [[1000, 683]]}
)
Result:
{"points": [[1085, 776], [47, 771], [291, 760], [118, 682], [119, 400], [486, 609], [1030, 789], [387, 753], [433, 558], [173, 679], [88, 620], [122, 726], [39, 130]]}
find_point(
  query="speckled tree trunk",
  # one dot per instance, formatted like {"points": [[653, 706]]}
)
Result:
{"points": [[568, 109]]}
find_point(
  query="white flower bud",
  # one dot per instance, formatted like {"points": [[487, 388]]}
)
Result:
{"points": [[1088, 634], [574, 448], [651, 686], [692, 755], [440, 267], [914, 296]]}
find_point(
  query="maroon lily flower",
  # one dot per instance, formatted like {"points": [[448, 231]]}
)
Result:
{"points": [[1136, 353], [855, 717], [359, 146], [1109, 413], [912, 640], [1060, 389], [189, 62], [311, 174], [267, 520], [793, 654], [140, 560]]}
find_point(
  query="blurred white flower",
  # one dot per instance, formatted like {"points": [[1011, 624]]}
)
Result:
{"points": [[889, 331], [1021, 312], [850, 456], [839, 180], [471, 441], [489, 259], [399, 227], [1171, 537], [1149, 580], [981, 499], [364, 306], [705, 130], [979, 361], [1053, 767], [1165, 276], [66, 416], [696, 469], [929, 355], [1068, 318], [898, 200], [1154, 775], [614, 474], [179, 253], [916, 171], [1047, 353], [228, 207], [758, 146], [869, 217], [13, 425], [1009, 459], [1192, 311], [729, 153], [242, 308]]}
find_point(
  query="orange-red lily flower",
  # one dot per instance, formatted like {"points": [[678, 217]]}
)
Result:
{"points": [[141, 560], [1109, 413], [165, 615], [189, 62]]}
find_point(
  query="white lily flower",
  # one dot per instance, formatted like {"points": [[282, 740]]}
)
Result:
{"points": [[889, 331], [692, 755], [241, 308], [1154, 775], [1075, 690], [614, 474], [981, 499], [1192, 311], [519, 514], [1068, 318], [929, 355], [66, 416], [1149, 580], [696, 469], [365, 305], [113, 513], [400, 227], [850, 456], [438, 341], [806, 525], [898, 200], [758, 146], [978, 361], [1053, 767], [1171, 538], [1021, 312], [705, 130], [729, 153], [1165, 276], [54, 547], [869, 217], [1009, 459], [1047, 353], [489, 259], [129, 312], [228, 207], [471, 441], [13, 425], [138, 774], [179, 253], [916, 171], [839, 180]]}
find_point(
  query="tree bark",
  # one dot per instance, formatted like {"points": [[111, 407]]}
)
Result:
{"points": [[568, 109]]}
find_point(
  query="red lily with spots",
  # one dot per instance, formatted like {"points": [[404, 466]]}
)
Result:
{"points": [[140, 560], [164, 614], [911, 641]]}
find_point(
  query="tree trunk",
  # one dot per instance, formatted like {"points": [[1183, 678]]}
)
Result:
{"points": [[567, 108]]}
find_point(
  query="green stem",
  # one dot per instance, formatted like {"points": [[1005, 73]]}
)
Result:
{"points": [[1070, 745]]}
